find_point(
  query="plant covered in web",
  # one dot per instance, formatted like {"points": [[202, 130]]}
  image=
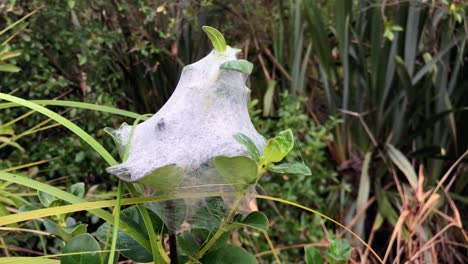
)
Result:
{"points": [[201, 141], [175, 147]]}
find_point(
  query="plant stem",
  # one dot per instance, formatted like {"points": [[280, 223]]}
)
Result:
{"points": [[116, 223], [222, 229], [172, 233], [159, 255]]}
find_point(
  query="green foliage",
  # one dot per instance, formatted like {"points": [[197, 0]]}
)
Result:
{"points": [[164, 179], [239, 171], [128, 246], [252, 150], [312, 256], [393, 67], [229, 254], [217, 39], [242, 66], [291, 169], [82, 243], [339, 251]]}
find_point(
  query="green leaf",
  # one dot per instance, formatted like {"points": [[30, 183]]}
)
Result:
{"points": [[249, 144], [291, 168], [286, 141], [77, 189], [242, 66], [312, 256], [6, 67], [45, 198], [229, 254], [82, 243], [130, 248], [278, 147], [257, 220], [187, 243], [210, 215], [272, 151], [239, 171], [403, 164], [164, 179], [217, 39], [68, 233], [339, 251]]}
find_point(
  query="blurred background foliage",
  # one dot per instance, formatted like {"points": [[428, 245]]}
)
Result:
{"points": [[349, 77]]}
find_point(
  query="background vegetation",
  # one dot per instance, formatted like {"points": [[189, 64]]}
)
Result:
{"points": [[374, 91]]}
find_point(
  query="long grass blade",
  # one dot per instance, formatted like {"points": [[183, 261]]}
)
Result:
{"points": [[363, 193], [66, 123], [88, 106]]}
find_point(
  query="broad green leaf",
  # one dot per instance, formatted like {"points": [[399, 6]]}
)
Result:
{"points": [[229, 254], [164, 179], [217, 39], [82, 243], [257, 220], [68, 233], [339, 251], [249, 144], [272, 151], [286, 141], [28, 260], [242, 66], [188, 244], [403, 164], [77, 189], [312, 256], [45, 198], [210, 215], [291, 168], [240, 171], [6, 67]]}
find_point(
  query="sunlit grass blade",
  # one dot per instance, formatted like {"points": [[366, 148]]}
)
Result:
{"points": [[70, 198], [81, 105], [27, 165], [28, 260], [66, 123], [95, 207]]}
